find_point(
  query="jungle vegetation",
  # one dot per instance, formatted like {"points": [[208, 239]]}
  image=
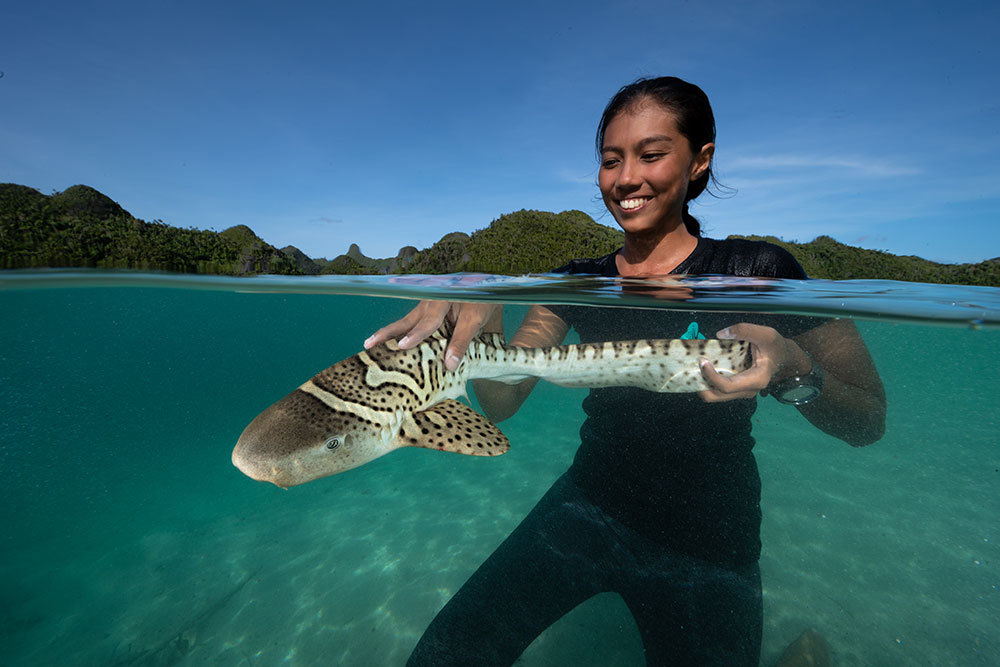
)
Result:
{"points": [[81, 227]]}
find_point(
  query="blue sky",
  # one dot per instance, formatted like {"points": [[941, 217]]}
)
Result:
{"points": [[319, 124]]}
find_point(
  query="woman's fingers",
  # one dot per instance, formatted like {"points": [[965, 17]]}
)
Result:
{"points": [[469, 321], [392, 330], [427, 317], [415, 326], [729, 387], [430, 317], [766, 346], [753, 333]]}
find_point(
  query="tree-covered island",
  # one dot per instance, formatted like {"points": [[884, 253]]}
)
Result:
{"points": [[81, 227]]}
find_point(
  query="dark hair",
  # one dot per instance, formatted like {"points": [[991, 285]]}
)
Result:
{"points": [[695, 120]]}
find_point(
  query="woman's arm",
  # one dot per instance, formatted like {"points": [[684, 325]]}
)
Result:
{"points": [[852, 404], [540, 328]]}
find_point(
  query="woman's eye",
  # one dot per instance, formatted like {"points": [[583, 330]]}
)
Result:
{"points": [[334, 443], [652, 157], [609, 163]]}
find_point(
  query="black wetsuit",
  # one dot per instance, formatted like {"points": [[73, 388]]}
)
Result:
{"points": [[661, 505]]}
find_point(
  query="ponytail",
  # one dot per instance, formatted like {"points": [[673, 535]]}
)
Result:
{"points": [[691, 222]]}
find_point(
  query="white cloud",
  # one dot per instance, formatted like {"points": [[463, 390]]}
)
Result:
{"points": [[858, 165], [576, 178]]}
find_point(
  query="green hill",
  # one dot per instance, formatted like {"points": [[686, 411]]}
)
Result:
{"points": [[357, 263], [81, 227], [305, 264], [536, 241], [825, 257], [520, 242]]}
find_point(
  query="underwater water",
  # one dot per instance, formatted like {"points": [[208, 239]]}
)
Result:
{"points": [[130, 539]]}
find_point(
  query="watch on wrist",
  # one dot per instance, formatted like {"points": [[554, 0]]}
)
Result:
{"points": [[798, 389]]}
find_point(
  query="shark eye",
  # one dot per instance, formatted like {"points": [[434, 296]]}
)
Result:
{"points": [[334, 442]]}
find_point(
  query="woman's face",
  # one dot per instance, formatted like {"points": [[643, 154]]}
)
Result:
{"points": [[646, 165]]}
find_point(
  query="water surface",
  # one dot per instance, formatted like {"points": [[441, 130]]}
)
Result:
{"points": [[131, 540]]}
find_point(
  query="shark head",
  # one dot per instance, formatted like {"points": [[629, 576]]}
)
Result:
{"points": [[300, 438]]}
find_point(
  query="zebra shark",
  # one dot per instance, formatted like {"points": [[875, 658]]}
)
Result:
{"points": [[385, 398]]}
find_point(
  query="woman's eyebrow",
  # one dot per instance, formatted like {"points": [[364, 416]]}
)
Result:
{"points": [[656, 138], [642, 142]]}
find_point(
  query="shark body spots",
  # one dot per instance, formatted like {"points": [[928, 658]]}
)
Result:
{"points": [[385, 398]]}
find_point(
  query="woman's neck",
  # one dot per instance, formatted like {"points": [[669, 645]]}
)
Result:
{"points": [[656, 253]]}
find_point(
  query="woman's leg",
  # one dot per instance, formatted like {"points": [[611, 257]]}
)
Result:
{"points": [[546, 567], [691, 612]]}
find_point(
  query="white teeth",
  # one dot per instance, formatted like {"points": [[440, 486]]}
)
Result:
{"points": [[629, 204]]}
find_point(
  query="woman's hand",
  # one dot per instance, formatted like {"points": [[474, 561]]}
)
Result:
{"points": [[469, 319], [774, 356]]}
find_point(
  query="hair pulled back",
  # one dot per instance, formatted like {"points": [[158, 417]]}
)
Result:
{"points": [[695, 121]]}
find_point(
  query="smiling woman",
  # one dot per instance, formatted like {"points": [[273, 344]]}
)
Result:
{"points": [[662, 502], [651, 169]]}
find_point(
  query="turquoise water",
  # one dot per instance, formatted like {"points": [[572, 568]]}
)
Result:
{"points": [[129, 538]]}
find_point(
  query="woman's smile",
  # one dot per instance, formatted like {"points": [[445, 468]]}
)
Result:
{"points": [[633, 203]]}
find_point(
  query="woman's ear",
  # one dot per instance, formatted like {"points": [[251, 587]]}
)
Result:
{"points": [[702, 161]]}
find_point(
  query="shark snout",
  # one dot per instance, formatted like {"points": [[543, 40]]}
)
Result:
{"points": [[254, 469], [251, 465], [279, 448], [284, 473], [259, 454]]}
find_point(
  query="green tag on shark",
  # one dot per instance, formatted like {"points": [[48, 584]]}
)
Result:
{"points": [[693, 333]]}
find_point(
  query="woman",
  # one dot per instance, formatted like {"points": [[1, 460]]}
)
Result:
{"points": [[662, 501]]}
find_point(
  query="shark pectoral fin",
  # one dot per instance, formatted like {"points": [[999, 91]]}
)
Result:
{"points": [[450, 426]]}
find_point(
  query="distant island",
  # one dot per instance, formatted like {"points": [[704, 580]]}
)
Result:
{"points": [[81, 227]]}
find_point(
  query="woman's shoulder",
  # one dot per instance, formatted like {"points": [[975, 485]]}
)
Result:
{"points": [[600, 266], [747, 257]]}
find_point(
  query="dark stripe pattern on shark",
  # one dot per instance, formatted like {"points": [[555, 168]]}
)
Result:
{"points": [[385, 398]]}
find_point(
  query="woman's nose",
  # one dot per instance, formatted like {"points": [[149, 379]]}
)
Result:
{"points": [[628, 175]]}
